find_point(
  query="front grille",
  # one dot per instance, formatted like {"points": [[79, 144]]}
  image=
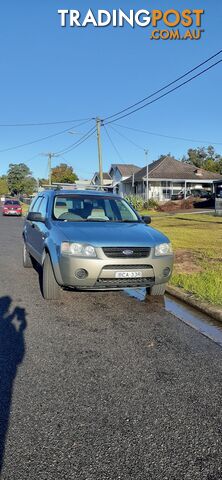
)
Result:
{"points": [[127, 267], [117, 252], [124, 282]]}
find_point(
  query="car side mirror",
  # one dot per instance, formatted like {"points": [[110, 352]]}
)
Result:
{"points": [[146, 219], [35, 217]]}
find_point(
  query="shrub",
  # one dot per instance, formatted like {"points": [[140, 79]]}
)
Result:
{"points": [[136, 202], [151, 204]]}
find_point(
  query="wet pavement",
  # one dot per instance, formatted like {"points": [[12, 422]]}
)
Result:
{"points": [[199, 321]]}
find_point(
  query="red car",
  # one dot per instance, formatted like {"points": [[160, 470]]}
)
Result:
{"points": [[12, 207]]}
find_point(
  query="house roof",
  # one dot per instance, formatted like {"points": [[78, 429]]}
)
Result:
{"points": [[126, 169], [106, 175], [171, 169]]}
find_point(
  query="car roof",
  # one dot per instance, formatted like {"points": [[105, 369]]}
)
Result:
{"points": [[84, 193]]}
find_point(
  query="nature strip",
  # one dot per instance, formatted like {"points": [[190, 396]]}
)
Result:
{"points": [[204, 307]]}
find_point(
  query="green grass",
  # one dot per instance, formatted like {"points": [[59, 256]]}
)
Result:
{"points": [[25, 208], [200, 237]]}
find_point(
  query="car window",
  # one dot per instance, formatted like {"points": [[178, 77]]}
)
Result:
{"points": [[43, 206], [36, 204], [93, 208]]}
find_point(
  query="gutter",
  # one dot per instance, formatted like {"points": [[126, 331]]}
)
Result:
{"points": [[204, 307]]}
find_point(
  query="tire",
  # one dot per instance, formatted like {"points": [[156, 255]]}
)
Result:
{"points": [[50, 287], [27, 261], [157, 290]]}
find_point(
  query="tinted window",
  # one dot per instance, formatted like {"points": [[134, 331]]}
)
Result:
{"points": [[12, 202]]}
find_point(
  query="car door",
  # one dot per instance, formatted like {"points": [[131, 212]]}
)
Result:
{"points": [[40, 229], [29, 229]]}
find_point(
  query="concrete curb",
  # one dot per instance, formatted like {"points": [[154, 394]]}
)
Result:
{"points": [[204, 307]]}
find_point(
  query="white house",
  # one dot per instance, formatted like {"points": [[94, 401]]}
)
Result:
{"points": [[167, 177], [120, 172]]}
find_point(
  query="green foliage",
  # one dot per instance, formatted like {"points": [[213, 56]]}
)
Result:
{"points": [[3, 185], [139, 204], [197, 236], [19, 179], [136, 202], [43, 181], [205, 158], [63, 173], [151, 204]]}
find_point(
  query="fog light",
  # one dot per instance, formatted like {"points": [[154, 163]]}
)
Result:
{"points": [[81, 273], [166, 272]]}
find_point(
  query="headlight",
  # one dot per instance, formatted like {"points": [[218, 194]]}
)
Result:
{"points": [[163, 249], [78, 250]]}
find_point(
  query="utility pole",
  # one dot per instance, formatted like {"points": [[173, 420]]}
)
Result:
{"points": [[147, 176], [50, 155], [98, 127]]}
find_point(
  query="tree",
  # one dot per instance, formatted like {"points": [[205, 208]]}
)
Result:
{"points": [[63, 173], [205, 158], [3, 185], [19, 179], [29, 185]]}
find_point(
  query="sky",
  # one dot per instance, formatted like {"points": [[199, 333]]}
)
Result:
{"points": [[54, 74]]}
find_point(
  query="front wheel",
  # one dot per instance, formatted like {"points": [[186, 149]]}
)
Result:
{"points": [[157, 290], [27, 261], [50, 287]]}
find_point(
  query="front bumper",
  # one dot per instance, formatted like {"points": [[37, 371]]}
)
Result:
{"points": [[102, 271]]}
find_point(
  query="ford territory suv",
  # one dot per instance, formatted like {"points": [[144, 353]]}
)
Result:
{"points": [[94, 240]]}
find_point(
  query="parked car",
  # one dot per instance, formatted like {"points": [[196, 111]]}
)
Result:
{"points": [[194, 192], [12, 207], [96, 241]]}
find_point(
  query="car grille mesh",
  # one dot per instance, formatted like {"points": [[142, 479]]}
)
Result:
{"points": [[127, 267], [124, 282], [117, 252]]}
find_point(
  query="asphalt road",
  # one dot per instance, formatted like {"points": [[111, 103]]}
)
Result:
{"points": [[101, 386]]}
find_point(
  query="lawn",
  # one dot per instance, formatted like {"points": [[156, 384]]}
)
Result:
{"points": [[197, 242]]}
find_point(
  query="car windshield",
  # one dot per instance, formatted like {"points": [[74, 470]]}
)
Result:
{"points": [[12, 202], [92, 208]]}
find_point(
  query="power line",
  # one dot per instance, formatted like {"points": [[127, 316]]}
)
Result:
{"points": [[113, 144], [129, 140], [168, 136], [78, 143], [166, 86], [165, 94], [42, 139], [43, 123]]}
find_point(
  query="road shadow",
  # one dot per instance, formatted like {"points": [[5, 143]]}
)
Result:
{"points": [[12, 351]]}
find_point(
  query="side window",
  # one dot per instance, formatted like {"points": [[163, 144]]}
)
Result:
{"points": [[35, 204], [42, 208]]}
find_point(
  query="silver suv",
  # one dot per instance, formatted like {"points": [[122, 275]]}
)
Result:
{"points": [[94, 240]]}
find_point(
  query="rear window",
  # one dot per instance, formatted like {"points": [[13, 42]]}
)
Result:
{"points": [[12, 202]]}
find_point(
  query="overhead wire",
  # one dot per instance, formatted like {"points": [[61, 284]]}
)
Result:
{"points": [[165, 86], [128, 139], [113, 144], [39, 124], [164, 94], [78, 142], [15, 147], [168, 136]]}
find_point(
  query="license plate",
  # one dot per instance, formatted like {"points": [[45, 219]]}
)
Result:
{"points": [[128, 274]]}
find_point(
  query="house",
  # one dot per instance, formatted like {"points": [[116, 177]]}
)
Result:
{"points": [[107, 181], [120, 172], [166, 177]]}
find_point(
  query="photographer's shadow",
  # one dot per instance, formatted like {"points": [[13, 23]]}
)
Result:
{"points": [[12, 350]]}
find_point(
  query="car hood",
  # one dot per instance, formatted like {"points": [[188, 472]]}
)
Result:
{"points": [[105, 234]]}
